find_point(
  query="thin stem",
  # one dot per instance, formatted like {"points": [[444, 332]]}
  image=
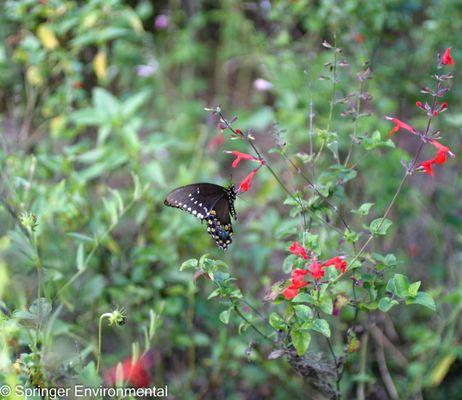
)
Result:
{"points": [[246, 320], [355, 122], [100, 339], [360, 393]]}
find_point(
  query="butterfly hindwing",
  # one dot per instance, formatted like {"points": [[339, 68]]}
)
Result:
{"points": [[219, 224], [211, 203]]}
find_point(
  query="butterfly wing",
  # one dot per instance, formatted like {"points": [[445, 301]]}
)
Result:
{"points": [[197, 199], [219, 224], [208, 202]]}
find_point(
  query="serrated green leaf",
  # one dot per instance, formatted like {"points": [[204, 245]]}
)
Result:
{"points": [[321, 326], [363, 209], [188, 264], [424, 299], [303, 312], [398, 285], [277, 322], [413, 289], [385, 304], [301, 340], [380, 226]]}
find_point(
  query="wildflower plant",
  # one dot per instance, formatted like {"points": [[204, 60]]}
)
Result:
{"points": [[329, 270]]}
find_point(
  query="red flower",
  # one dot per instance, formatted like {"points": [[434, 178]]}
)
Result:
{"points": [[440, 158], [241, 156], [298, 250], [290, 293], [339, 264], [446, 58], [245, 184], [134, 374], [400, 125], [316, 269], [297, 282]]}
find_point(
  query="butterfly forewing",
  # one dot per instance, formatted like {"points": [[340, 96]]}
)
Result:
{"points": [[208, 202]]}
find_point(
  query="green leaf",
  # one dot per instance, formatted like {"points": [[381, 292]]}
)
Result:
{"points": [[104, 101], [215, 293], [133, 103], [224, 316], [398, 285], [321, 326], [188, 264], [380, 226], [301, 340], [303, 298], [326, 305], [375, 140], [413, 289], [364, 209], [277, 322], [424, 299], [303, 312], [385, 304]]}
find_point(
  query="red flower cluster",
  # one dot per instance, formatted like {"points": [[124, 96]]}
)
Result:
{"points": [[298, 250], [316, 269], [297, 282], [440, 158], [432, 111], [133, 373], [245, 184]]}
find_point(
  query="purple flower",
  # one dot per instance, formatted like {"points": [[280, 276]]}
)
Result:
{"points": [[161, 21], [147, 70]]}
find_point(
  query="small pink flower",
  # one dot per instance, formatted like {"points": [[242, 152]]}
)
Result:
{"points": [[161, 21], [262, 85]]}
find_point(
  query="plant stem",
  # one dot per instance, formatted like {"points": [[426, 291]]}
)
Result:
{"points": [[360, 393], [246, 320], [100, 339]]}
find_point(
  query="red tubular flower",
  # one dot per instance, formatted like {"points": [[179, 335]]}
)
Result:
{"points": [[400, 125], [298, 250], [446, 58], [316, 269], [134, 374], [290, 293], [440, 158], [298, 280], [245, 184], [241, 156], [442, 148], [339, 264]]}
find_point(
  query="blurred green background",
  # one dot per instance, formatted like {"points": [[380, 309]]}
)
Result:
{"points": [[96, 93]]}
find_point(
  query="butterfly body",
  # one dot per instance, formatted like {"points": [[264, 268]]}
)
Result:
{"points": [[211, 203]]}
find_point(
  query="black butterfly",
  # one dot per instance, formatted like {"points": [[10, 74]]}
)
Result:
{"points": [[211, 203]]}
